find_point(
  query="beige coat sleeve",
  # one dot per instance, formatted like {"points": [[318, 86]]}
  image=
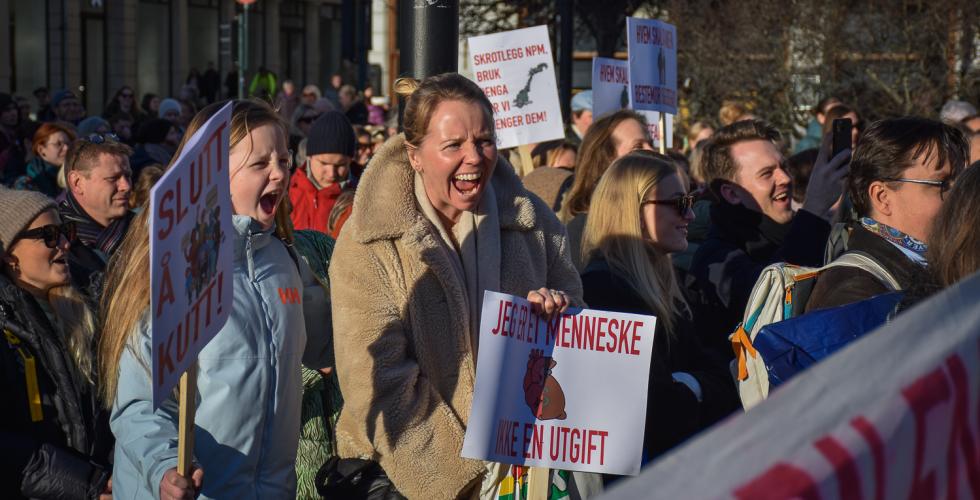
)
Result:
{"points": [[390, 406], [562, 274]]}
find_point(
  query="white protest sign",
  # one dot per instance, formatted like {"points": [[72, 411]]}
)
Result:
{"points": [[894, 415], [653, 65], [516, 72], [610, 93], [568, 394], [190, 253]]}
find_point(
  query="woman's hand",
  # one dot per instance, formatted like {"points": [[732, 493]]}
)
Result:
{"points": [[173, 486], [107, 492], [547, 303]]}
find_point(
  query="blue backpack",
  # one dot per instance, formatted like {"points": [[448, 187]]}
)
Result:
{"points": [[791, 346]]}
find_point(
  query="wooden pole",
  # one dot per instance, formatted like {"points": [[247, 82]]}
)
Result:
{"points": [[185, 423], [526, 161], [538, 483], [663, 133]]}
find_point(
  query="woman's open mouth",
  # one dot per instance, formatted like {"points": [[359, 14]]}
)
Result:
{"points": [[467, 184]]}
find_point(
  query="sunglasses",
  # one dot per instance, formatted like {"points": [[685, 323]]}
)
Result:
{"points": [[51, 234], [682, 204], [90, 139]]}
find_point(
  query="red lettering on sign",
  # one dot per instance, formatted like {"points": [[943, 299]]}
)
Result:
{"points": [[922, 396], [848, 478], [782, 480], [290, 296]]}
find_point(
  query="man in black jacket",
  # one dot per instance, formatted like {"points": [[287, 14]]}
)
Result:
{"points": [[901, 171], [753, 224]]}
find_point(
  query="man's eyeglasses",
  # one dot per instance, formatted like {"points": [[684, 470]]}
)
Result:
{"points": [[682, 204], [90, 139], [51, 234], [943, 185]]}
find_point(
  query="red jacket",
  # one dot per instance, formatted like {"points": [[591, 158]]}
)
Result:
{"points": [[311, 206]]}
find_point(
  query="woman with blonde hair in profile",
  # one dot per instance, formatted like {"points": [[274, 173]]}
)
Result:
{"points": [[438, 219], [639, 216], [249, 381]]}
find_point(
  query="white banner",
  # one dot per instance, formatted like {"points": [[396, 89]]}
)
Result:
{"points": [[652, 48], [895, 415], [568, 394], [190, 253], [610, 93], [516, 72]]}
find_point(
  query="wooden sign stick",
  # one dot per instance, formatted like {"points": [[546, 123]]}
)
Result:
{"points": [[185, 421], [663, 133], [526, 163], [538, 483]]}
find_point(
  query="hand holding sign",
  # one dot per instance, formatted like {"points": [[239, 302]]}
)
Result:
{"points": [[547, 302]]}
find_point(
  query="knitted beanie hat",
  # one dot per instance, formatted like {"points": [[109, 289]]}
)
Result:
{"points": [[331, 133], [167, 105], [19, 209]]}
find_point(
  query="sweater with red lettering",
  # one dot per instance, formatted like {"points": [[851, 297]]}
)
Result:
{"points": [[311, 206]]}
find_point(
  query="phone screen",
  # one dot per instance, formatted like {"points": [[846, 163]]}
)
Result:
{"points": [[842, 135]]}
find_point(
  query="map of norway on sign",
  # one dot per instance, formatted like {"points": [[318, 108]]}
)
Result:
{"points": [[568, 394], [190, 253], [610, 93], [652, 48], [516, 72]]}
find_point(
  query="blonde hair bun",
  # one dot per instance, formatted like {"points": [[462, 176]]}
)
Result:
{"points": [[405, 87]]}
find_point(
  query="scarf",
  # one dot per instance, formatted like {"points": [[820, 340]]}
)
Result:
{"points": [[756, 233], [910, 246], [102, 239], [473, 248]]}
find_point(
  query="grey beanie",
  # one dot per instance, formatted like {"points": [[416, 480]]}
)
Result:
{"points": [[19, 209]]}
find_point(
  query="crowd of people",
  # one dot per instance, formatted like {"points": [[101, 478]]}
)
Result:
{"points": [[367, 382]]}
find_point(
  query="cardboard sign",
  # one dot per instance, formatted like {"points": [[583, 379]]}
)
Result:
{"points": [[610, 93], [190, 253], [554, 394], [894, 415], [516, 72], [652, 48]]}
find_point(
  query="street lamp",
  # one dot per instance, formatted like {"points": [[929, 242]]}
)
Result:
{"points": [[243, 46]]}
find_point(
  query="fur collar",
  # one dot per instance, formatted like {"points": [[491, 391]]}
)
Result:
{"points": [[384, 206]]}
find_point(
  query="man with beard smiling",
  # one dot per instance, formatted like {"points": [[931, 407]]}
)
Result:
{"points": [[753, 224], [97, 201]]}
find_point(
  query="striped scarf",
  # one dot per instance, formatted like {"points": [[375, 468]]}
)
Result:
{"points": [[103, 239]]}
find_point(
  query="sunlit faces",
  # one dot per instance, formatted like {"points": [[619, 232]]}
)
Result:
{"points": [[909, 207], [259, 173], [566, 159], [329, 168], [766, 187], [32, 265], [54, 150], [456, 158], [583, 121], [663, 225], [629, 135], [103, 190]]}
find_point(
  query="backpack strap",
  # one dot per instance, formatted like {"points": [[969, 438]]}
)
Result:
{"points": [[864, 262]]}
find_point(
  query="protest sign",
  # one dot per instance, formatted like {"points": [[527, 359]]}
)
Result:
{"points": [[516, 72], [652, 49], [567, 394], [894, 415], [610, 93], [190, 253]]}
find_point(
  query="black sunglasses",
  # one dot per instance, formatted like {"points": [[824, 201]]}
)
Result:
{"points": [[51, 234], [682, 204]]}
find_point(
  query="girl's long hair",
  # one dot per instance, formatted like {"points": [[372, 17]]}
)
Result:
{"points": [[126, 297], [614, 232]]}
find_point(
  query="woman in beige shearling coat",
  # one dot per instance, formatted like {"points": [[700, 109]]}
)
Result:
{"points": [[407, 283]]}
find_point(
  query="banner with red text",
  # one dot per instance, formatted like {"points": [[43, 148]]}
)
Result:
{"points": [[568, 394], [652, 49], [190, 253], [610, 93], [895, 415], [516, 72]]}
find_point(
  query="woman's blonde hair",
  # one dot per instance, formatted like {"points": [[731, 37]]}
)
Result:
{"points": [[77, 325], [597, 152], [614, 231], [126, 297], [422, 98]]}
